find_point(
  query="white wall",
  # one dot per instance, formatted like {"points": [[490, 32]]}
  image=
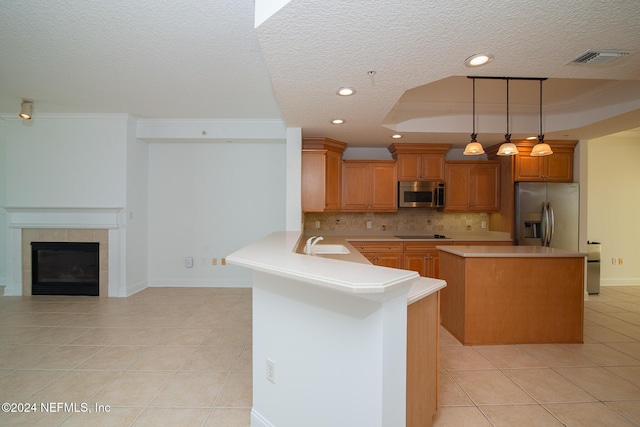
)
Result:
{"points": [[135, 216], [3, 214], [613, 205], [66, 161], [208, 199]]}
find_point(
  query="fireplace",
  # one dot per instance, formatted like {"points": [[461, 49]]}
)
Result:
{"points": [[65, 268]]}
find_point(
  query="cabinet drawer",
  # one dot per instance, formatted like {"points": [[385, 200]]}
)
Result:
{"points": [[424, 246], [379, 247]]}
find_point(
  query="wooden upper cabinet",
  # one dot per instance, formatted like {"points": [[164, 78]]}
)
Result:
{"points": [[420, 162], [558, 167], [321, 174], [472, 186], [369, 186]]}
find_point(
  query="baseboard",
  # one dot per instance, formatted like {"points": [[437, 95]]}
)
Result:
{"points": [[627, 281], [160, 283], [257, 420]]}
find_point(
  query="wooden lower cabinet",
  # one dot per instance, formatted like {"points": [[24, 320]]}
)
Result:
{"points": [[423, 257], [384, 254], [423, 320]]}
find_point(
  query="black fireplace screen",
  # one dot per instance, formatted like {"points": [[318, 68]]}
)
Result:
{"points": [[65, 268]]}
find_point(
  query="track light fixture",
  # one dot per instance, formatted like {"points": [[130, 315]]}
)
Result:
{"points": [[473, 148], [26, 109]]}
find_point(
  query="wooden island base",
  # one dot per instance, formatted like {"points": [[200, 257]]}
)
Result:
{"points": [[512, 300]]}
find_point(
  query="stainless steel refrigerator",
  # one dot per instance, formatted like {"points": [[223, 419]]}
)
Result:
{"points": [[547, 214]]}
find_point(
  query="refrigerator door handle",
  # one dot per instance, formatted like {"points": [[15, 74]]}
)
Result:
{"points": [[544, 226], [552, 223]]}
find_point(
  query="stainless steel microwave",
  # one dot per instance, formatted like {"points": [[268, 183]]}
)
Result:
{"points": [[420, 194]]}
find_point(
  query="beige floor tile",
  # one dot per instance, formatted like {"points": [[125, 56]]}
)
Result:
{"points": [[162, 358], [154, 417], [604, 355], [630, 409], [191, 389], [458, 357], [629, 348], [74, 386], [601, 383], [117, 358], [629, 373], [509, 356], [133, 388], [608, 333], [245, 363], [19, 385], [183, 336], [66, 356], [490, 387], [587, 415], [229, 417], [17, 356], [238, 392], [227, 337], [557, 354], [520, 416], [628, 332], [450, 393], [546, 386], [116, 416], [140, 336], [210, 358], [98, 336], [457, 416], [22, 335], [32, 419]]}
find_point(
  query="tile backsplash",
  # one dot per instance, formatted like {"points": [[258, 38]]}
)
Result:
{"points": [[422, 220]]}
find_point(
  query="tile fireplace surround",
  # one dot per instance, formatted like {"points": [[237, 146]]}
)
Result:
{"points": [[102, 225], [65, 235]]}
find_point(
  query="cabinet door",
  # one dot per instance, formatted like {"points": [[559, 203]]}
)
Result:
{"points": [[528, 168], [409, 167], [355, 186], [416, 262], [332, 180], [485, 188], [458, 179], [389, 260], [432, 167], [313, 180], [559, 167], [384, 188]]}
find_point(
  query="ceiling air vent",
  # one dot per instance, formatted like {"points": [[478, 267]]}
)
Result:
{"points": [[601, 56]]}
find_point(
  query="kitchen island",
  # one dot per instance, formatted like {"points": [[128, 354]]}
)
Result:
{"points": [[330, 342], [512, 294]]}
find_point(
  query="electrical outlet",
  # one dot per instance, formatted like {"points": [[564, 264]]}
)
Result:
{"points": [[369, 224], [620, 261], [188, 262], [271, 371], [214, 261], [317, 224], [613, 261], [483, 224]]}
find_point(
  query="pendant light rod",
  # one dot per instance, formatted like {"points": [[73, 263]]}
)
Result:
{"points": [[507, 136], [540, 135], [474, 134]]}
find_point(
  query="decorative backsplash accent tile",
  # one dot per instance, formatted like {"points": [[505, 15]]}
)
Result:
{"points": [[422, 220]]}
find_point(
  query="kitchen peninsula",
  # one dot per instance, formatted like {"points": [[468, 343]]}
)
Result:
{"points": [[330, 337], [512, 294]]}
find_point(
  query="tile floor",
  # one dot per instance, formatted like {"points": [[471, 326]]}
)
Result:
{"points": [[182, 356], [592, 384]]}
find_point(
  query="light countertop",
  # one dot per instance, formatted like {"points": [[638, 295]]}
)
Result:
{"points": [[281, 254], [509, 252]]}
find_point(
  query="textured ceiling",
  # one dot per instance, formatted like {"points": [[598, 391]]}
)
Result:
{"points": [[193, 59]]}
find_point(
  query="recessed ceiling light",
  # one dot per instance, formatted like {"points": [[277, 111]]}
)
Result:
{"points": [[396, 136], [337, 121], [478, 59], [346, 91]]}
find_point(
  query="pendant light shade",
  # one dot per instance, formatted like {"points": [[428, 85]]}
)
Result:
{"points": [[507, 148], [541, 148], [473, 148]]}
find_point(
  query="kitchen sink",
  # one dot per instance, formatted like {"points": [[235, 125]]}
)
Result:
{"points": [[330, 250]]}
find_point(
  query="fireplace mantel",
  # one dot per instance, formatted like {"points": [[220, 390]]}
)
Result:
{"points": [[112, 219], [63, 217]]}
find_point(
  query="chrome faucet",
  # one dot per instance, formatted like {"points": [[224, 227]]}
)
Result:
{"points": [[311, 242]]}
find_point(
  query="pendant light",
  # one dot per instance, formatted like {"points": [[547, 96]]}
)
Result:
{"points": [[26, 109], [541, 148], [507, 148], [473, 148]]}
